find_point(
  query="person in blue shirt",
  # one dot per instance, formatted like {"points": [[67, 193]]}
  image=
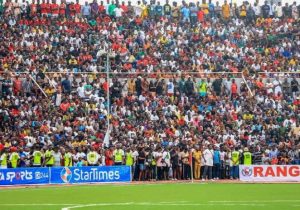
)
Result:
{"points": [[217, 163], [185, 11], [211, 9], [66, 85], [194, 11], [86, 10]]}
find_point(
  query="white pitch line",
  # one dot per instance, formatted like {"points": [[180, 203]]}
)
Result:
{"points": [[256, 201], [161, 204]]}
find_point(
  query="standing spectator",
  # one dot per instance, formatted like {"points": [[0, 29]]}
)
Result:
{"points": [[86, 10], [208, 157], [235, 158], [217, 163], [118, 155], [265, 10], [141, 163], [197, 160]]}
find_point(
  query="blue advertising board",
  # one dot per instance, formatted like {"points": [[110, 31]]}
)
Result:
{"points": [[73, 175], [23, 176], [62, 175]]}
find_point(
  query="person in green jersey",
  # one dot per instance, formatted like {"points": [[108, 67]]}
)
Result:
{"points": [[37, 157], [4, 158], [14, 159], [49, 157]]}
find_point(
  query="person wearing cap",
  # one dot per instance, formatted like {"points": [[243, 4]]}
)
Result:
{"points": [[247, 157]]}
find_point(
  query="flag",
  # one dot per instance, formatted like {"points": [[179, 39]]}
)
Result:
{"points": [[106, 138]]}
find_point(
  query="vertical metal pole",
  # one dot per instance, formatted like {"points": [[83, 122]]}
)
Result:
{"points": [[108, 96]]}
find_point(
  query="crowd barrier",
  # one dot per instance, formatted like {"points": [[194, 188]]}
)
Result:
{"points": [[105, 174], [270, 173], [64, 175]]}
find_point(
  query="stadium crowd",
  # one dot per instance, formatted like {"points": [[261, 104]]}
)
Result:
{"points": [[159, 126]]}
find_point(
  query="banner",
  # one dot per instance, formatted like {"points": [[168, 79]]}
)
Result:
{"points": [[23, 176], [270, 173], [74, 175]]}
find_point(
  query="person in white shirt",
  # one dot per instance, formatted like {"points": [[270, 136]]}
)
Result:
{"points": [[118, 11], [167, 158], [208, 157]]}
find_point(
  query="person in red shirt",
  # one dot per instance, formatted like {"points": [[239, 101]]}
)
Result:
{"points": [[62, 9], [109, 159], [200, 15], [124, 7], [101, 8], [48, 8], [233, 89], [77, 7], [33, 8], [72, 9], [54, 9], [17, 85], [43, 8]]}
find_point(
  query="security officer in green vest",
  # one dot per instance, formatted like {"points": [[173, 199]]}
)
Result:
{"points": [[4, 158], [68, 159], [247, 157], [92, 157], [49, 158], [235, 159], [118, 155], [129, 160], [14, 159], [37, 157]]}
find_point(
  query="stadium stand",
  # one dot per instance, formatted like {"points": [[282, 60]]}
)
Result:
{"points": [[208, 85]]}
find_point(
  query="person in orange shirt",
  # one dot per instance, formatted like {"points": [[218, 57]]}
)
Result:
{"points": [[226, 11]]}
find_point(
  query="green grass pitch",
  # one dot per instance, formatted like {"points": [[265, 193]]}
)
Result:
{"points": [[183, 196]]}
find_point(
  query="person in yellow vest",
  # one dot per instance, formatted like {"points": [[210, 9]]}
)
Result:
{"points": [[118, 155], [14, 159], [197, 154], [247, 157], [68, 160], [4, 158], [235, 159], [93, 157], [37, 157], [49, 157], [129, 161]]}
